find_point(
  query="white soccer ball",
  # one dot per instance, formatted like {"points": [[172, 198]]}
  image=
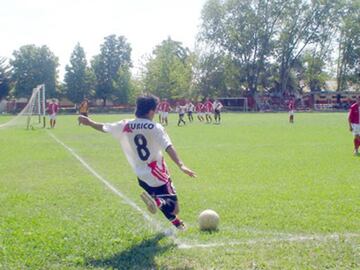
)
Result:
{"points": [[209, 220]]}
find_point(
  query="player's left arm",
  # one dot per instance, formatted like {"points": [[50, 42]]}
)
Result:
{"points": [[175, 157]]}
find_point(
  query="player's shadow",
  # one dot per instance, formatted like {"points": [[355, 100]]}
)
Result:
{"points": [[140, 256]]}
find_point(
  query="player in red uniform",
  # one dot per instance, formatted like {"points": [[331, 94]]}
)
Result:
{"points": [[208, 110], [354, 124], [52, 109], [291, 107], [165, 109], [199, 111]]}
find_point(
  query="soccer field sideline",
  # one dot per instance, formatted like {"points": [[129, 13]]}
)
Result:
{"points": [[183, 245]]}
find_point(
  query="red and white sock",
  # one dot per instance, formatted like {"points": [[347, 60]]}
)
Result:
{"points": [[176, 222]]}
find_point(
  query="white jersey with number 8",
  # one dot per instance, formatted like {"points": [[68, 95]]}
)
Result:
{"points": [[143, 142]]}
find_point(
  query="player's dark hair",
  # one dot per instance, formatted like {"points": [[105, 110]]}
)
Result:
{"points": [[144, 104]]}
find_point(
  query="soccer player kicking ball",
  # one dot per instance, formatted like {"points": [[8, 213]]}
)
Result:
{"points": [[143, 141], [354, 123]]}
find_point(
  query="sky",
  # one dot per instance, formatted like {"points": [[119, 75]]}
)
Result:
{"points": [[60, 24]]}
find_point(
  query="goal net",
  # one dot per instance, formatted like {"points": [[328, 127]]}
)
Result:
{"points": [[33, 114], [235, 103]]}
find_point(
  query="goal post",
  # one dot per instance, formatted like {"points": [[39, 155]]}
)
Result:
{"points": [[235, 103], [33, 112], [37, 107]]}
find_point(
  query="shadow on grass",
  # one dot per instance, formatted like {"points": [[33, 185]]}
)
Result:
{"points": [[140, 256]]}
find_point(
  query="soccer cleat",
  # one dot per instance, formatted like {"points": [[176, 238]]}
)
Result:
{"points": [[181, 227], [150, 203]]}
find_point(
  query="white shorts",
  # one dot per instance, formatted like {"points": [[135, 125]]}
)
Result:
{"points": [[200, 114], [291, 112], [164, 114], [207, 113], [52, 116], [355, 129]]}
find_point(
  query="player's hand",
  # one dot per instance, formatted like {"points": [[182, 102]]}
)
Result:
{"points": [[84, 120], [187, 171]]}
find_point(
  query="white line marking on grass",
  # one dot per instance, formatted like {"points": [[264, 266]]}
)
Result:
{"points": [[128, 201], [182, 245], [294, 238]]}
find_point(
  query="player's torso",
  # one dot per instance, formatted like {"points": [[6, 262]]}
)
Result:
{"points": [[166, 107], [141, 146]]}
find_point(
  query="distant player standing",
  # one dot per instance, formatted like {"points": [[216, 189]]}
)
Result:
{"points": [[208, 110], [159, 111], [190, 109], [52, 109], [217, 106], [291, 107], [84, 108], [181, 111], [165, 109], [199, 111], [354, 124], [143, 141]]}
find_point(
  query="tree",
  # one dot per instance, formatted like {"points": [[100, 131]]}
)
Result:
{"points": [[312, 70], [113, 62], [5, 78], [302, 24], [267, 35], [244, 31], [168, 72], [349, 46], [78, 76], [33, 66]]}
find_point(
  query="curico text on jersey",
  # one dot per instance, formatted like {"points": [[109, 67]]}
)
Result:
{"points": [[141, 125]]}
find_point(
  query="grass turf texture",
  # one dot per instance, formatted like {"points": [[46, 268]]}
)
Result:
{"points": [[267, 179]]}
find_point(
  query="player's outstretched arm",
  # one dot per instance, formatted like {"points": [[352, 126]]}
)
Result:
{"points": [[174, 156], [86, 121]]}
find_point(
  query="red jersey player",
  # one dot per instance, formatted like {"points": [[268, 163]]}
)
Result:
{"points": [[165, 109], [208, 110], [354, 124], [52, 109], [199, 111], [291, 107]]}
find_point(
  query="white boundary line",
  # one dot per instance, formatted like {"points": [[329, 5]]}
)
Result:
{"points": [[170, 233], [294, 238], [128, 201]]}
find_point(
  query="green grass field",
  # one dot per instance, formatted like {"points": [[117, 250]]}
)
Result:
{"points": [[288, 197]]}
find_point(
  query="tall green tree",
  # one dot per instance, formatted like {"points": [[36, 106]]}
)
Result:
{"points": [[302, 24], [5, 78], [113, 62], [32, 66], [168, 72], [244, 31], [348, 70], [78, 84]]}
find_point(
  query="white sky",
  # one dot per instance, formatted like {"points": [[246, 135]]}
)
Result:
{"points": [[61, 24]]}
